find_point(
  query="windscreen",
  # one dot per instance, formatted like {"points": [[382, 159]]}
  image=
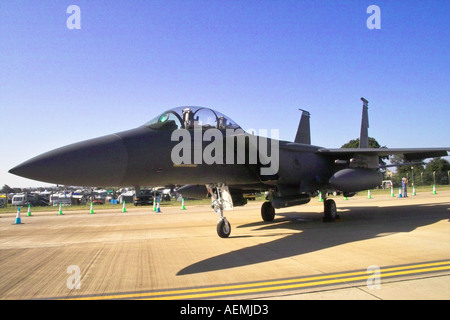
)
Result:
{"points": [[190, 117]]}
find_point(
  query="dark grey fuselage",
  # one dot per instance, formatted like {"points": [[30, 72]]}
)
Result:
{"points": [[142, 157]]}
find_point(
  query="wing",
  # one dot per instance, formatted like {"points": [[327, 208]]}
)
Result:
{"points": [[408, 153]]}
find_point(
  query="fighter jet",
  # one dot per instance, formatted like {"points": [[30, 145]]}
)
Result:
{"points": [[206, 152]]}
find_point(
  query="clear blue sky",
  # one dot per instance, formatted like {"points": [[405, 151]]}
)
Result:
{"points": [[256, 61]]}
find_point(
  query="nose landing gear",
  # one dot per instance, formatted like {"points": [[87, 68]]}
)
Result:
{"points": [[221, 200], [223, 228]]}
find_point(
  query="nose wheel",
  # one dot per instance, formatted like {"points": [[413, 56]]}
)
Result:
{"points": [[223, 228]]}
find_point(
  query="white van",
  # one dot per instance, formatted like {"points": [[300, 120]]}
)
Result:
{"points": [[24, 199], [56, 199]]}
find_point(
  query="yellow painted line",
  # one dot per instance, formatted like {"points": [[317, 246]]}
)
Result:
{"points": [[275, 285], [294, 286]]}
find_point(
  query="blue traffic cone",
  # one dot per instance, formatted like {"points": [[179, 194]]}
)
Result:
{"points": [[18, 221], [157, 207]]}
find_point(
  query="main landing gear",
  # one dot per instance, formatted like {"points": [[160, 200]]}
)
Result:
{"points": [[221, 200], [267, 211], [329, 211]]}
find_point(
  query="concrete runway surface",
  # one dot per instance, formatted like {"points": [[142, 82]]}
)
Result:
{"points": [[383, 248]]}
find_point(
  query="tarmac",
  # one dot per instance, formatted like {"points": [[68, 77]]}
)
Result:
{"points": [[381, 248]]}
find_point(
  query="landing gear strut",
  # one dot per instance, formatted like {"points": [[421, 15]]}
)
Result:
{"points": [[220, 199]]}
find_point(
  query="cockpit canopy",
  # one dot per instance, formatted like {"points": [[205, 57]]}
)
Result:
{"points": [[190, 117]]}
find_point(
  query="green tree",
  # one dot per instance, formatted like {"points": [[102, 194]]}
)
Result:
{"points": [[440, 167], [6, 189], [414, 173], [422, 174], [373, 143]]}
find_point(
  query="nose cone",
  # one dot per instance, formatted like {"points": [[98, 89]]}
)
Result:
{"points": [[96, 162]]}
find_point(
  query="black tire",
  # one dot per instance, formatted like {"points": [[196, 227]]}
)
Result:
{"points": [[267, 211], [330, 209], [223, 228]]}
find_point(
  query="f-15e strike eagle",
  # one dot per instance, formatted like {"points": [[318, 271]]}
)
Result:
{"points": [[205, 151]]}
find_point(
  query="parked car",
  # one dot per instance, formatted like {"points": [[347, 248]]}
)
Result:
{"points": [[60, 198], [3, 200], [99, 201], [25, 199], [143, 197], [249, 196]]}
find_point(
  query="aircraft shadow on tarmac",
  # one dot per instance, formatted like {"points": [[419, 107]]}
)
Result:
{"points": [[310, 235]]}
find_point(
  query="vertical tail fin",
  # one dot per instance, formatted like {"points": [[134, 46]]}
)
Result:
{"points": [[364, 136], [303, 131]]}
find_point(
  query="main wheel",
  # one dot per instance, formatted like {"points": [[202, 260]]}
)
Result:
{"points": [[267, 211], [330, 211], [223, 228]]}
